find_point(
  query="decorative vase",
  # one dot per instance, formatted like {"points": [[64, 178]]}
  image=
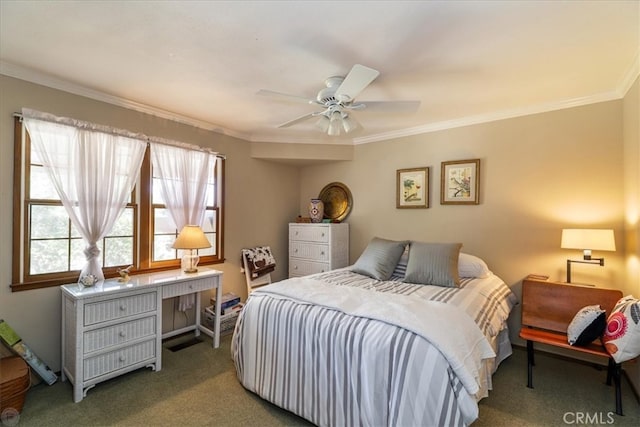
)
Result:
{"points": [[316, 210]]}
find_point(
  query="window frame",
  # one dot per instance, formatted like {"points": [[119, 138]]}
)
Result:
{"points": [[143, 232]]}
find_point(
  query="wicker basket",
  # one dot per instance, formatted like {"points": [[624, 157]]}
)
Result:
{"points": [[15, 380]]}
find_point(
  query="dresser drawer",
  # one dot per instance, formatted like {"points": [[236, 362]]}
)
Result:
{"points": [[298, 267], [103, 311], [119, 359], [185, 288], [309, 233], [99, 339], [309, 251]]}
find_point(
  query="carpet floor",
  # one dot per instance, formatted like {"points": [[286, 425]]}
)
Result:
{"points": [[197, 386]]}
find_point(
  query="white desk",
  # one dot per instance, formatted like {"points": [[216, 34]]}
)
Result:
{"points": [[113, 328]]}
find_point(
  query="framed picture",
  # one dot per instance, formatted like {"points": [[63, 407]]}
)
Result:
{"points": [[460, 182], [412, 188]]}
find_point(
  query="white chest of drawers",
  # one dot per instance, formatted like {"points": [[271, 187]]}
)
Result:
{"points": [[114, 328], [315, 248]]}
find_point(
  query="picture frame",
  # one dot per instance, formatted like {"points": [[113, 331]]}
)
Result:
{"points": [[412, 188], [460, 182]]}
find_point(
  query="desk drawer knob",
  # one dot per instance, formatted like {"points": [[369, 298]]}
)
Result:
{"points": [[122, 334], [122, 358], [123, 307]]}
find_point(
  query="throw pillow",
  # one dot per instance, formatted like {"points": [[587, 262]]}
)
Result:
{"points": [[587, 325], [379, 258], [622, 335], [433, 264]]}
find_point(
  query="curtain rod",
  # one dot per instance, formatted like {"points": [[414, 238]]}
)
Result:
{"points": [[121, 132]]}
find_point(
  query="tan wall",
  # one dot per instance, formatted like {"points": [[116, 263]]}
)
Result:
{"points": [[631, 132], [539, 174], [261, 198]]}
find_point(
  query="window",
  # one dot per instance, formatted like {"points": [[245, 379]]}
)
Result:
{"points": [[48, 251]]}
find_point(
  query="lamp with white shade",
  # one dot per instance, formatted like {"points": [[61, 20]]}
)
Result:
{"points": [[190, 239], [587, 240]]}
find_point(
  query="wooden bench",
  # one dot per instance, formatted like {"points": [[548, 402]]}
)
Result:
{"points": [[547, 311]]}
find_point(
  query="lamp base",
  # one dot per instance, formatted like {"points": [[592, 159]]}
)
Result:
{"points": [[189, 262]]}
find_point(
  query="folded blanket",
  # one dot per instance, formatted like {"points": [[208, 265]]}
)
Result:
{"points": [[259, 261]]}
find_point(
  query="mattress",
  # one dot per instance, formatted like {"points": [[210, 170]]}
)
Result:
{"points": [[339, 348]]}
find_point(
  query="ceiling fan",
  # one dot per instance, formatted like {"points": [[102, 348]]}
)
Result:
{"points": [[337, 100]]}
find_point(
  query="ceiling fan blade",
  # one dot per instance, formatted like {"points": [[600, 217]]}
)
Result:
{"points": [[286, 96], [298, 120], [390, 106], [358, 78]]}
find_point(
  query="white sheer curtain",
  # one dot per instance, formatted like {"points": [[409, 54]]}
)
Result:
{"points": [[93, 172], [184, 175]]}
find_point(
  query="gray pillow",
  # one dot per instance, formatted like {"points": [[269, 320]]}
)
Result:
{"points": [[379, 258], [433, 264]]}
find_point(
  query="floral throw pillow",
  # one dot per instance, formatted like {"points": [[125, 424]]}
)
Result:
{"points": [[622, 335]]}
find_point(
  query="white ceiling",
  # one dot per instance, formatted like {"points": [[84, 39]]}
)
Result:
{"points": [[203, 61]]}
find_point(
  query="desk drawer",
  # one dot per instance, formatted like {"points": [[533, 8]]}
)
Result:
{"points": [[309, 251], [103, 311], [309, 233], [99, 339], [184, 288], [299, 267], [119, 359]]}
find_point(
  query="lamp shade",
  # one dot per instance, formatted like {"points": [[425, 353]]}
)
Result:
{"points": [[191, 237], [593, 239]]}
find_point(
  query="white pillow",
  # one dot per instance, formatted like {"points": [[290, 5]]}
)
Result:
{"points": [[472, 266]]}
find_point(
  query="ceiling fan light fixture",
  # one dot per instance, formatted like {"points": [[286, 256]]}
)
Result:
{"points": [[323, 123], [349, 124], [335, 123]]}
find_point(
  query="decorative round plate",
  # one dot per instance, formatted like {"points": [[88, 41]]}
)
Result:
{"points": [[337, 201]]}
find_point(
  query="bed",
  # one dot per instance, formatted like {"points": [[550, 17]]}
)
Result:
{"points": [[366, 345]]}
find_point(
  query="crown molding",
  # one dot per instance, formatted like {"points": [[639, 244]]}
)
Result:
{"points": [[27, 74], [490, 117]]}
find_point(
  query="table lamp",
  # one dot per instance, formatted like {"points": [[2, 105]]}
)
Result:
{"points": [[587, 240], [190, 239]]}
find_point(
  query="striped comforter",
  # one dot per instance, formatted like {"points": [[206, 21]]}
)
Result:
{"points": [[338, 365]]}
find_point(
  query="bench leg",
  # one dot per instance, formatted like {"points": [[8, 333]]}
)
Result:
{"points": [[616, 379], [530, 364]]}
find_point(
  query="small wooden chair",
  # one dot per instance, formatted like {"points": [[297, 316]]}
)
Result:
{"points": [[253, 283]]}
